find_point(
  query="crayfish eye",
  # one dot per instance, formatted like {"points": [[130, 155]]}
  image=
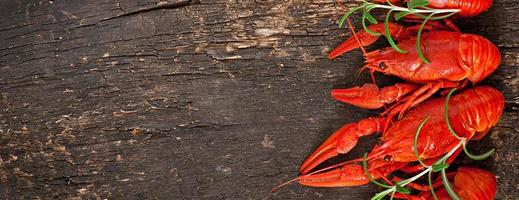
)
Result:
{"points": [[382, 65], [387, 158]]}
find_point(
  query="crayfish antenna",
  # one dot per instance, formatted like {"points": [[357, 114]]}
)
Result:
{"points": [[350, 25], [359, 42], [372, 75], [372, 71]]}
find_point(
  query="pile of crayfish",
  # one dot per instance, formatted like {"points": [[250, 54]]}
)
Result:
{"points": [[422, 128]]}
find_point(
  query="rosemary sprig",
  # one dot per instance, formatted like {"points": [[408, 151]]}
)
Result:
{"points": [[414, 7]]}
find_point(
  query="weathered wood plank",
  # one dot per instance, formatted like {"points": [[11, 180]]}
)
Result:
{"points": [[192, 99]]}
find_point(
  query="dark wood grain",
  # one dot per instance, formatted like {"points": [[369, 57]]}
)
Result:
{"points": [[176, 99]]}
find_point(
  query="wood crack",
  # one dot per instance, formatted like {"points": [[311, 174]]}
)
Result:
{"points": [[166, 6]]}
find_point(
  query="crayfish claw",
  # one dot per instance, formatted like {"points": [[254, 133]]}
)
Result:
{"points": [[348, 175], [342, 141], [365, 39], [371, 97]]}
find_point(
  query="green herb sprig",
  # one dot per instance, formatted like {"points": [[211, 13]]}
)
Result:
{"points": [[439, 165], [414, 7]]}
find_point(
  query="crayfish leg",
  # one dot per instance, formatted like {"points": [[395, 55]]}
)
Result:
{"points": [[420, 96], [418, 167], [451, 25], [463, 84]]}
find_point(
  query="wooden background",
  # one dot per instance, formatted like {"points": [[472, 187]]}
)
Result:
{"points": [[212, 99]]}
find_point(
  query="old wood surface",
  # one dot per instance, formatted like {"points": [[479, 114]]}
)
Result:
{"points": [[149, 99]]}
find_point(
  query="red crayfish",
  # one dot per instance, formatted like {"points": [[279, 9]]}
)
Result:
{"points": [[472, 113], [469, 183], [456, 59]]}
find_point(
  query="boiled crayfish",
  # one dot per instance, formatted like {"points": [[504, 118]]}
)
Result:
{"points": [[469, 183], [472, 113], [456, 59]]}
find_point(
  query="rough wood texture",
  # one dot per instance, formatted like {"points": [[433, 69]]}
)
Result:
{"points": [[193, 99]]}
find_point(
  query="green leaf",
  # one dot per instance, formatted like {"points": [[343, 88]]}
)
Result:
{"points": [[392, 195], [365, 14], [370, 6], [445, 157], [366, 27], [415, 142], [351, 11], [382, 194], [371, 18], [448, 186], [439, 167], [401, 189], [366, 171], [442, 17], [343, 18], [417, 3], [431, 186], [401, 14], [478, 157], [447, 114], [388, 34], [418, 40], [434, 18]]}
